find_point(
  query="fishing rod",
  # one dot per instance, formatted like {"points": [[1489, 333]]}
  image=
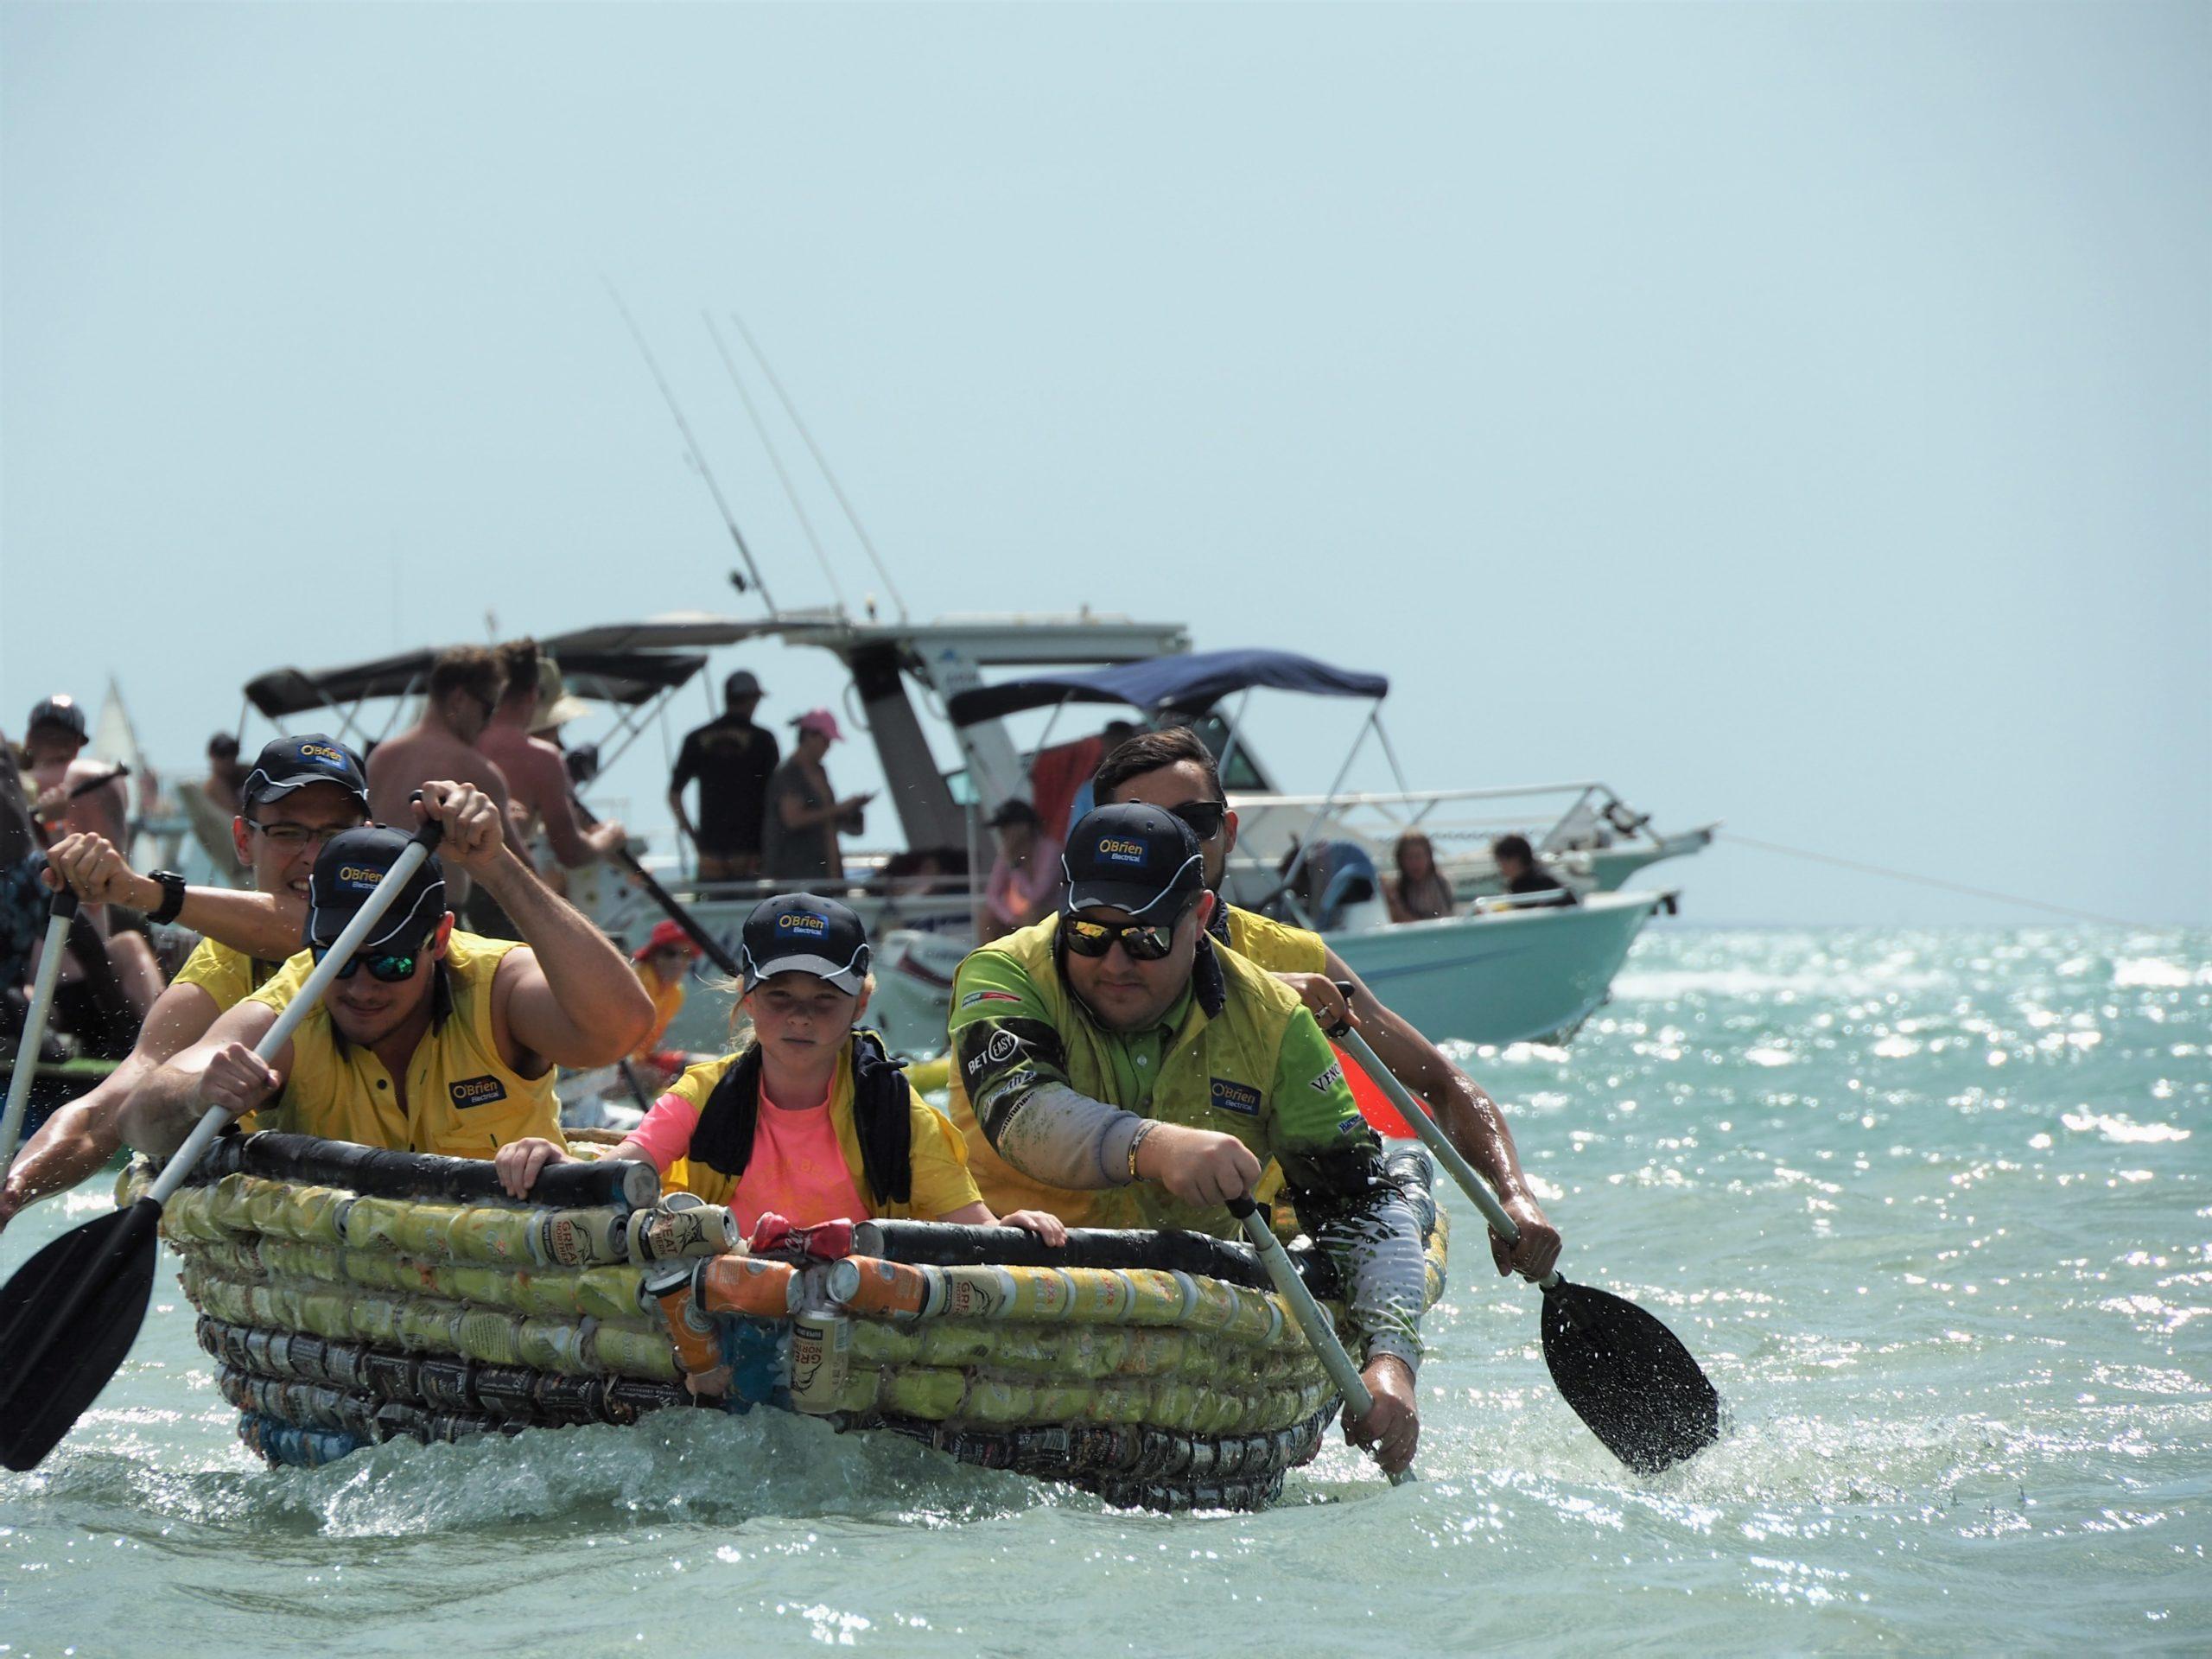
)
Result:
{"points": [[698, 456], [783, 477], [821, 460]]}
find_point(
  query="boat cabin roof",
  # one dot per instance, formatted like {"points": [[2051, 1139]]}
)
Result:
{"points": [[1190, 682]]}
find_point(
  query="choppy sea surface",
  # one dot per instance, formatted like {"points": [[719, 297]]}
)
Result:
{"points": [[1935, 1209]]}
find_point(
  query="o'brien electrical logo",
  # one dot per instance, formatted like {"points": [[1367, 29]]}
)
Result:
{"points": [[1121, 852], [1229, 1096], [478, 1092], [805, 923], [358, 877], [323, 752]]}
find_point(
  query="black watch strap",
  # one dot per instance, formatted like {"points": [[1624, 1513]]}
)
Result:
{"points": [[172, 897]]}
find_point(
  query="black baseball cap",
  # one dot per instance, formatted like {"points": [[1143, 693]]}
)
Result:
{"points": [[352, 863], [1132, 857], [291, 763], [740, 686], [61, 710], [803, 934]]}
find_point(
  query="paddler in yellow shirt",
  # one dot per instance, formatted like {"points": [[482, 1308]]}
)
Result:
{"points": [[301, 791], [1173, 770], [432, 1040]]}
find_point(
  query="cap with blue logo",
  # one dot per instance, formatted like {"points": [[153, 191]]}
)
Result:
{"points": [[293, 763], [1132, 857], [350, 866], [803, 933]]}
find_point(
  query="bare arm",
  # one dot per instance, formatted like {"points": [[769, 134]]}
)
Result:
{"points": [[262, 924], [77, 1140], [1471, 1119], [217, 1070], [571, 1000]]}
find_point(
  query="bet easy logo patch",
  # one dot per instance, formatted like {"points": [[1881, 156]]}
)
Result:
{"points": [[478, 1092], [1239, 1097]]}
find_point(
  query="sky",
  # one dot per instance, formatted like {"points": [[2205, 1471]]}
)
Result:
{"points": [[1800, 416]]}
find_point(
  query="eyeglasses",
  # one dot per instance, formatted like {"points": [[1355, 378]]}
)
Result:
{"points": [[294, 836], [1144, 941], [389, 968], [1204, 817]]}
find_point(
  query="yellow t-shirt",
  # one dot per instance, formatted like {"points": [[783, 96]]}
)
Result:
{"points": [[938, 1162], [1275, 946], [462, 1099], [668, 999], [230, 976]]}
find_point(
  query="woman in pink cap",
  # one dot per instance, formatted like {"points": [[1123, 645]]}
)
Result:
{"points": [[803, 815]]}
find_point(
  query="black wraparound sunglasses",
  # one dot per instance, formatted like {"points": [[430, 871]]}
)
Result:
{"points": [[1204, 817]]}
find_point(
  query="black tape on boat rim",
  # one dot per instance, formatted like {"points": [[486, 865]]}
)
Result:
{"points": [[375, 1172], [934, 1245]]}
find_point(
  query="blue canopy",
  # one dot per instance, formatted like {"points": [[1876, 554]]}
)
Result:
{"points": [[1192, 681]]}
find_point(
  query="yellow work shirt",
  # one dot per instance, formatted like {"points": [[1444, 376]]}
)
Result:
{"points": [[1276, 946], [939, 1182], [462, 1099], [230, 976]]}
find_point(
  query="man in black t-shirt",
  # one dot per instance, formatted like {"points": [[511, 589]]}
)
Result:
{"points": [[732, 758]]}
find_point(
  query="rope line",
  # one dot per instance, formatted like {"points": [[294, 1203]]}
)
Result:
{"points": [[1928, 880]]}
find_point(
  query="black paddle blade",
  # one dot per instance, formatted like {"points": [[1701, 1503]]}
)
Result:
{"points": [[66, 1320], [1629, 1377]]}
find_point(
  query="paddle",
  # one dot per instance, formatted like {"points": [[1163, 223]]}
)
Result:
{"points": [[85, 788], [71, 1313], [661, 896], [1309, 1314], [1625, 1374], [58, 910]]}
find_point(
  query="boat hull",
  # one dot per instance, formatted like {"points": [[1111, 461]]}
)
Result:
{"points": [[1501, 978]]}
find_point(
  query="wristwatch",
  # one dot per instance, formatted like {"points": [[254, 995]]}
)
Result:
{"points": [[172, 897]]}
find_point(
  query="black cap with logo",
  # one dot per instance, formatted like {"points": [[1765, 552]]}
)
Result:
{"points": [[352, 863], [62, 710], [1132, 857], [291, 763], [803, 933]]}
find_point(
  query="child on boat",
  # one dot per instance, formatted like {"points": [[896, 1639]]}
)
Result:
{"points": [[810, 1119]]}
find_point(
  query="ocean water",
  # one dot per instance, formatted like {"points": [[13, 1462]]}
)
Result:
{"points": [[1933, 1208]]}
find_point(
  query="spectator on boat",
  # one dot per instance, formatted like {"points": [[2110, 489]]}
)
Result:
{"points": [[212, 805], [664, 967], [801, 817], [733, 761], [808, 1120], [464, 689], [1116, 1069], [432, 1039], [1519, 871], [226, 774], [1417, 891], [77, 794], [1174, 770], [300, 793], [537, 775], [1024, 884]]}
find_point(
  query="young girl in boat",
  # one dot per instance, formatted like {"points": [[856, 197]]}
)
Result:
{"points": [[809, 1121]]}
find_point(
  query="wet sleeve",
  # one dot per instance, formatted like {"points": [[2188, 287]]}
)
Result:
{"points": [[1014, 1067], [1333, 1170], [937, 1164]]}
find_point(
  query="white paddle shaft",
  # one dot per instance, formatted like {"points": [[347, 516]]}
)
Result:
{"points": [[411, 859], [58, 916]]}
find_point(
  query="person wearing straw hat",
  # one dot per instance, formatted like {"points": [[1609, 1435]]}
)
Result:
{"points": [[432, 1039], [1116, 1070], [536, 773]]}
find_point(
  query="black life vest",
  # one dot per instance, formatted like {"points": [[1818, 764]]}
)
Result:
{"points": [[881, 1100]]}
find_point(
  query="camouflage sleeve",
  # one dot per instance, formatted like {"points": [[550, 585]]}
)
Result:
{"points": [[1013, 1067], [1332, 1169]]}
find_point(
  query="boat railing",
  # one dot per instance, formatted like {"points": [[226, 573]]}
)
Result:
{"points": [[1593, 814]]}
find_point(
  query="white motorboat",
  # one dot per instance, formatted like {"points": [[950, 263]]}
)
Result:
{"points": [[1496, 973]]}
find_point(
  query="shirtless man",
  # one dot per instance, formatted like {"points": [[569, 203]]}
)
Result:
{"points": [[536, 774], [301, 791], [463, 692], [56, 736]]}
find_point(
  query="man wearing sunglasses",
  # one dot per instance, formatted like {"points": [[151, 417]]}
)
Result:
{"points": [[432, 1039], [1115, 1068], [301, 791], [1174, 771]]}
